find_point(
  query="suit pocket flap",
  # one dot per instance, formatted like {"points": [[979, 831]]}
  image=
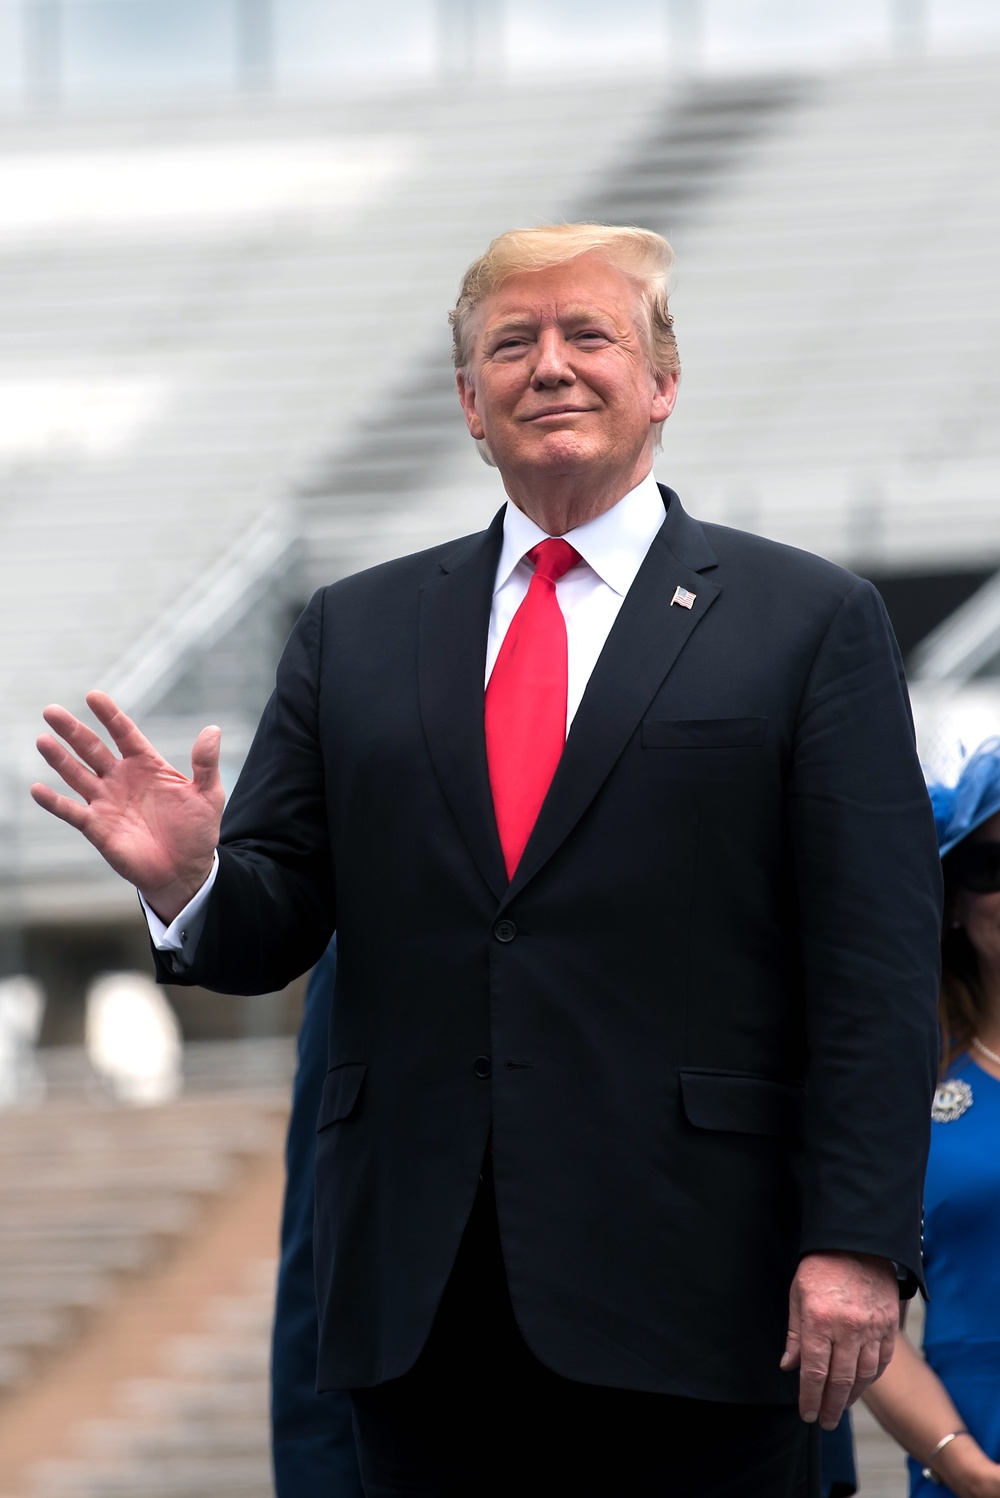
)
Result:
{"points": [[742, 1104], [703, 733], [341, 1090]]}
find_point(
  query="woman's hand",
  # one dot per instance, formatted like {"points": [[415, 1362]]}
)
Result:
{"points": [[967, 1470], [913, 1405]]}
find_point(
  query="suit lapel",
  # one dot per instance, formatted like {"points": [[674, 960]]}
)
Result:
{"points": [[645, 641], [453, 631]]}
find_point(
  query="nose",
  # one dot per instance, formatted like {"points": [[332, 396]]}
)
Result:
{"points": [[552, 362]]}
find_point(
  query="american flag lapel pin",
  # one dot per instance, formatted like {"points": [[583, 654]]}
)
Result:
{"points": [[683, 597]]}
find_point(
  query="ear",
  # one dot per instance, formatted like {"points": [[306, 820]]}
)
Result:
{"points": [[664, 395], [467, 396]]}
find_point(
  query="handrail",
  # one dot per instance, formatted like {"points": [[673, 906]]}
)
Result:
{"points": [[962, 643], [203, 614]]}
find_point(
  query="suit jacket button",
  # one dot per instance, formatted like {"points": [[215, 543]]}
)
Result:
{"points": [[482, 1067], [505, 930]]}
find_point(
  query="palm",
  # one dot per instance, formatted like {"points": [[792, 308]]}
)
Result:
{"points": [[153, 825]]}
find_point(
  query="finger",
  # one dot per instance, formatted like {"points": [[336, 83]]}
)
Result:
{"points": [[60, 806], [868, 1363], [120, 726], [793, 1340], [81, 739], [887, 1348], [67, 766], [841, 1382], [814, 1367], [868, 1370], [205, 760], [791, 1355]]}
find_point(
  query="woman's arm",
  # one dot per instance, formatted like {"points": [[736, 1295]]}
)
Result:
{"points": [[913, 1405]]}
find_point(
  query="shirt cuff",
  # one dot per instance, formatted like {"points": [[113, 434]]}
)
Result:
{"points": [[182, 935]]}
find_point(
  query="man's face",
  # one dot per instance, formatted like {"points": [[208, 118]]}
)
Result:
{"points": [[558, 381]]}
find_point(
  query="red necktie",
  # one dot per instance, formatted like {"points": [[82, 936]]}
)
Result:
{"points": [[526, 702]]}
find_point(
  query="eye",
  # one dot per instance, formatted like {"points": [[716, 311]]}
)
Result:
{"points": [[509, 347]]}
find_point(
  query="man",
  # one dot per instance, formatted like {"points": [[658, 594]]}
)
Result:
{"points": [[312, 1436], [622, 1138]]}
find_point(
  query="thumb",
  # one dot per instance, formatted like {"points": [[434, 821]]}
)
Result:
{"points": [[791, 1356], [205, 761]]}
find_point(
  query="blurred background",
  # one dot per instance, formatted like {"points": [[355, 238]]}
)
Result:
{"points": [[230, 231]]}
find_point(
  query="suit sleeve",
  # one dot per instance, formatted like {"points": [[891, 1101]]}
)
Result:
{"points": [[273, 907], [868, 885]]}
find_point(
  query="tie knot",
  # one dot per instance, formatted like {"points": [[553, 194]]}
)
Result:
{"points": [[552, 558]]}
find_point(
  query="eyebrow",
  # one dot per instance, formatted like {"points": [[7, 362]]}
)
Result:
{"points": [[518, 322], [510, 325]]}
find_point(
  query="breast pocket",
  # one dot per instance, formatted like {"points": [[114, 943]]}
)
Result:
{"points": [[705, 748]]}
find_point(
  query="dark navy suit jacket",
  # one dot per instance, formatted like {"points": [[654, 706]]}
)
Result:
{"points": [[312, 1436], [313, 1441], [699, 1020]]}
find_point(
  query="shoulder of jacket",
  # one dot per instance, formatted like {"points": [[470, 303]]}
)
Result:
{"points": [[414, 569], [778, 562]]}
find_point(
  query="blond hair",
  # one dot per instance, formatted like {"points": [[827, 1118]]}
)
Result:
{"points": [[644, 257]]}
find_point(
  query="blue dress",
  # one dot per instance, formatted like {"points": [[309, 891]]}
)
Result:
{"points": [[962, 1259]]}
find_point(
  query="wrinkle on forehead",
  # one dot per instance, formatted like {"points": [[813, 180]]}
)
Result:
{"points": [[572, 316], [525, 312]]}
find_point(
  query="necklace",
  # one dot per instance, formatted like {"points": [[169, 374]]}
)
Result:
{"points": [[985, 1050]]}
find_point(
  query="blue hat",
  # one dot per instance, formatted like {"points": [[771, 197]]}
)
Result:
{"points": [[960, 808]]}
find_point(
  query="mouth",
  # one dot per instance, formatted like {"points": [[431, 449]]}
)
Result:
{"points": [[551, 411]]}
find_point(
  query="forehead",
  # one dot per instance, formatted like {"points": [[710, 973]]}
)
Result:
{"points": [[586, 285]]}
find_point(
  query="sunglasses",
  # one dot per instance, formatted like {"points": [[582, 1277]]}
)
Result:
{"points": [[977, 867]]}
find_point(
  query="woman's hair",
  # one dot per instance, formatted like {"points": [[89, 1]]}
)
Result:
{"points": [[960, 1007], [644, 257]]}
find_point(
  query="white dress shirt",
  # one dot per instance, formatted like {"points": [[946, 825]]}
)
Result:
{"points": [[613, 548]]}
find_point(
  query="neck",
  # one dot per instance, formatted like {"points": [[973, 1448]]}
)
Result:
{"points": [[562, 502]]}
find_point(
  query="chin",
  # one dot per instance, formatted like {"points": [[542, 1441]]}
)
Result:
{"points": [[561, 450]]}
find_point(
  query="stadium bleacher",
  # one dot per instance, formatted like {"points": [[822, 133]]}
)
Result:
{"points": [[198, 1427], [97, 1202], [229, 361], [225, 380], [190, 361]]}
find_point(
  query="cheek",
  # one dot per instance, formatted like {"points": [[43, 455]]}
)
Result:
{"points": [[982, 922], [498, 394]]}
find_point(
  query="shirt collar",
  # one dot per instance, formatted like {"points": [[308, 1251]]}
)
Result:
{"points": [[614, 545]]}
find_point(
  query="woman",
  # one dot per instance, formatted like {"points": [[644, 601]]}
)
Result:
{"points": [[946, 1410]]}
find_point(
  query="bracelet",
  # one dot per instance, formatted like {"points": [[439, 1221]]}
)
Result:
{"points": [[928, 1471]]}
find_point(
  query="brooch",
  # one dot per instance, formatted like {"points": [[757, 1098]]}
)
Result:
{"points": [[951, 1100]]}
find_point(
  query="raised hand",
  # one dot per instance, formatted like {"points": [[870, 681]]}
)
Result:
{"points": [[153, 825]]}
